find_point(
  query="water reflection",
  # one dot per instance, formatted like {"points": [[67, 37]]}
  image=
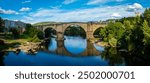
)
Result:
{"points": [[72, 46], [113, 56], [52, 45], [2, 58], [75, 45], [99, 48], [70, 52]]}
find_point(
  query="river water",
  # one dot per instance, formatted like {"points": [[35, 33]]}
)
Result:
{"points": [[73, 51]]}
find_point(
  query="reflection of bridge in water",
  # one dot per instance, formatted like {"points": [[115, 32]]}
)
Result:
{"points": [[90, 50]]}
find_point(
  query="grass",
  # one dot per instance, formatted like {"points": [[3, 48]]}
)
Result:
{"points": [[11, 43]]}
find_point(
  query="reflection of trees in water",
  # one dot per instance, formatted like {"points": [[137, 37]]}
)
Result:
{"points": [[116, 57], [113, 56], [2, 54], [138, 59], [47, 43]]}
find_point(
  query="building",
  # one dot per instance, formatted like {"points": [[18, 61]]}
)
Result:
{"points": [[14, 24]]}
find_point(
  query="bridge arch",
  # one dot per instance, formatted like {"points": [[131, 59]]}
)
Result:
{"points": [[75, 30], [84, 26], [96, 32], [49, 31]]}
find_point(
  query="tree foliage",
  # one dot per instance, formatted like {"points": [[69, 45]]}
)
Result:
{"points": [[1, 25], [146, 31], [132, 34], [33, 34], [75, 31], [15, 32], [49, 32], [146, 15]]}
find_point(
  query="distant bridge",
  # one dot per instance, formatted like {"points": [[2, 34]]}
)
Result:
{"points": [[89, 28]]}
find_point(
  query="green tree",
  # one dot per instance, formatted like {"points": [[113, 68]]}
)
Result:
{"points": [[104, 34], [75, 31], [113, 33], [146, 15], [126, 42], [40, 35], [1, 25], [30, 31], [15, 32], [48, 32], [146, 31]]}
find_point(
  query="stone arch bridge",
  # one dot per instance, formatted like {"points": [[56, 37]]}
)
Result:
{"points": [[89, 28]]}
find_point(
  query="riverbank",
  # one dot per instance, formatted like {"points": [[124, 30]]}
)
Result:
{"points": [[99, 43], [20, 44], [104, 44]]}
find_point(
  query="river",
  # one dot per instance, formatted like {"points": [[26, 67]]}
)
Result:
{"points": [[73, 51]]}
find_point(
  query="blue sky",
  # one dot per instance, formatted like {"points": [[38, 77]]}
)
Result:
{"points": [[32, 11]]}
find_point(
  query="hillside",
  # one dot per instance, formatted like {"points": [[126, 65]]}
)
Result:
{"points": [[44, 23]]}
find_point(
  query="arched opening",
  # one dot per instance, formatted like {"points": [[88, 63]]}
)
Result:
{"points": [[75, 30], [96, 33], [50, 32], [99, 38], [75, 39]]}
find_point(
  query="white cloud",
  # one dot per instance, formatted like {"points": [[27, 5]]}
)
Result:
{"points": [[25, 9], [137, 6], [28, 1], [116, 15], [79, 15], [45, 13], [66, 2], [96, 2], [28, 18], [56, 7], [3, 11], [134, 7]]}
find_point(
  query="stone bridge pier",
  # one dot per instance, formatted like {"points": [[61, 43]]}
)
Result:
{"points": [[60, 36]]}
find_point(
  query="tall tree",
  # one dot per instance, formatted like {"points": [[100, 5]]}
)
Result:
{"points": [[1, 25], [146, 31], [147, 15]]}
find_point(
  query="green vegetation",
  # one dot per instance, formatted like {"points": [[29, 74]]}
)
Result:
{"points": [[131, 34], [32, 34], [1, 25], [15, 33], [75, 31], [13, 38], [96, 33], [49, 32]]}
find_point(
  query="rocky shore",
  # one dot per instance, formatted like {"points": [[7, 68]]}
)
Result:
{"points": [[29, 46], [26, 47], [100, 43]]}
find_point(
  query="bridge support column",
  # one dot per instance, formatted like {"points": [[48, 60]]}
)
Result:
{"points": [[60, 36], [89, 35]]}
